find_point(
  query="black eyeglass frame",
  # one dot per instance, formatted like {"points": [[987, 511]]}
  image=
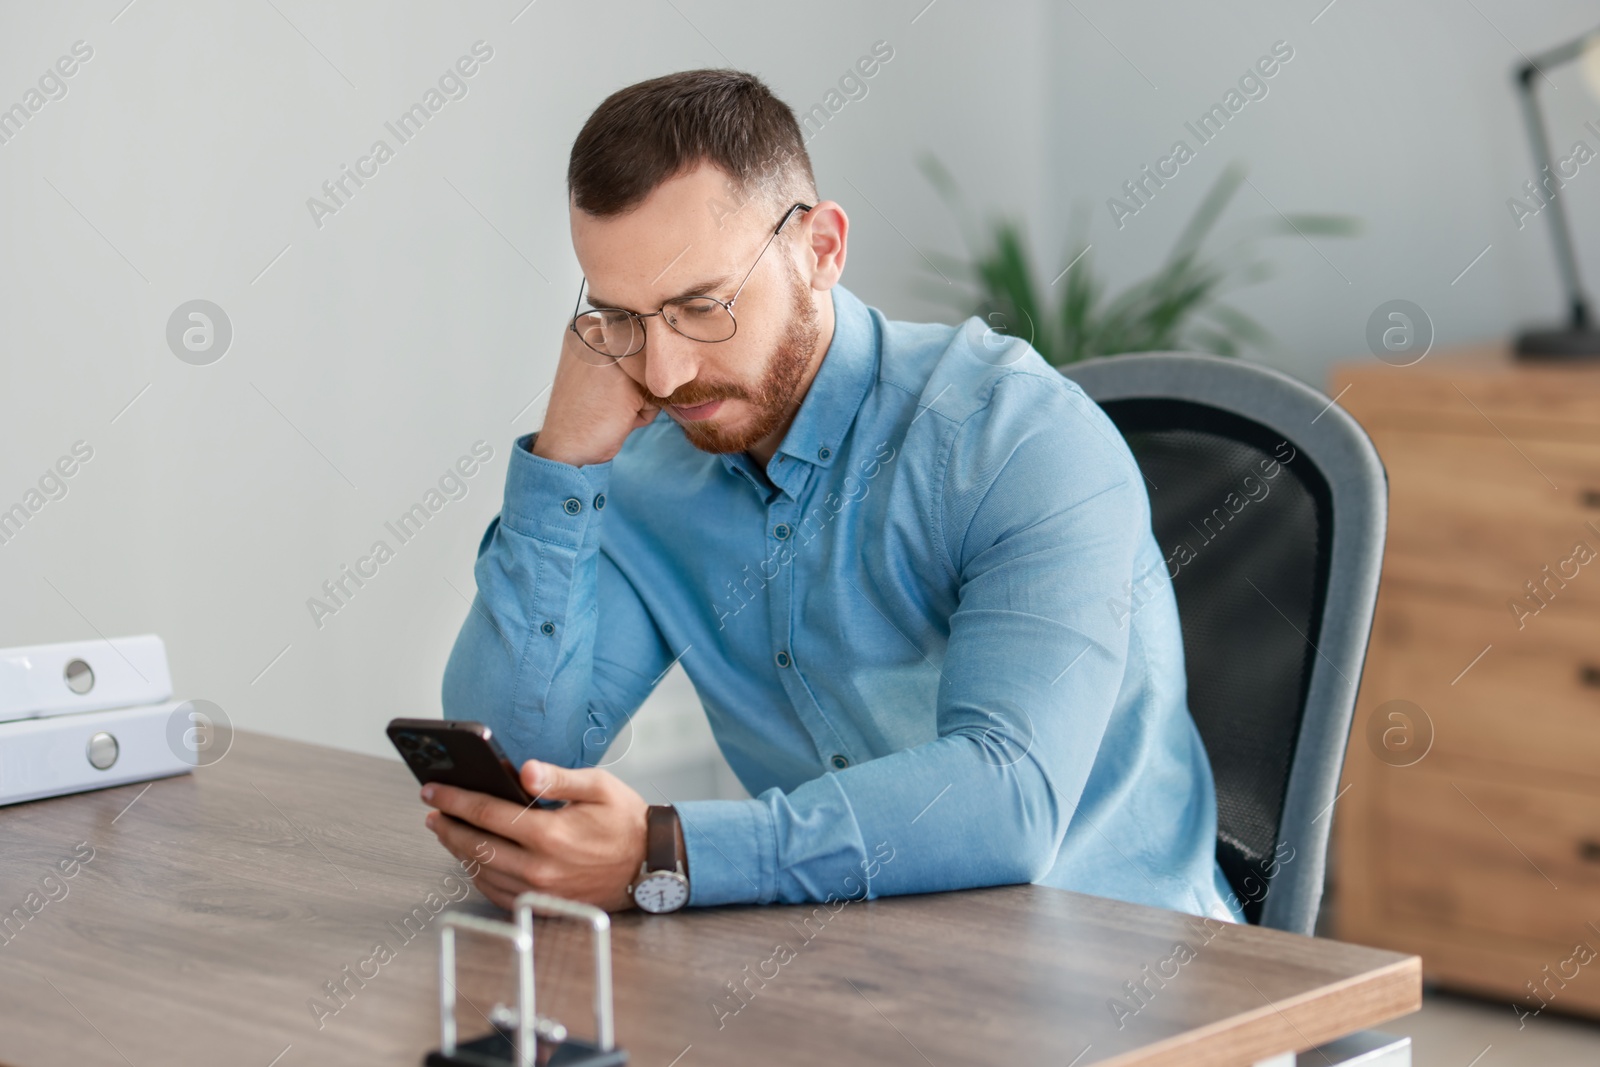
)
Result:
{"points": [[577, 311]]}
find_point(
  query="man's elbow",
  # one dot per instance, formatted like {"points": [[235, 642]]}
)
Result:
{"points": [[1022, 845], [1014, 855], [472, 679], [452, 691], [1029, 858]]}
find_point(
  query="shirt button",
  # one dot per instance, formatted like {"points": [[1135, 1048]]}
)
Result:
{"points": [[824, 452], [599, 501], [839, 762], [547, 628], [573, 505], [781, 531], [782, 658]]}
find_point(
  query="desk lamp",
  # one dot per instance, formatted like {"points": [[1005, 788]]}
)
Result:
{"points": [[1578, 339]]}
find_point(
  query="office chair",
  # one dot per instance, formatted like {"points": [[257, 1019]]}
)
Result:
{"points": [[1275, 593]]}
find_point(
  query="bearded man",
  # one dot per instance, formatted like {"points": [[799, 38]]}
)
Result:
{"points": [[889, 555]]}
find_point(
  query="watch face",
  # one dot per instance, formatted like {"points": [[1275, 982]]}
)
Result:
{"points": [[662, 891]]}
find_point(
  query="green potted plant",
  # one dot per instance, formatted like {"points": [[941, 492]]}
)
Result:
{"points": [[1177, 307]]}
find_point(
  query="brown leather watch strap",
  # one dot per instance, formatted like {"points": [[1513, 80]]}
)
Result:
{"points": [[661, 838]]}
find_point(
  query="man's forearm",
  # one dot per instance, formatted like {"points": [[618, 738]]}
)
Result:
{"points": [[524, 659], [947, 815]]}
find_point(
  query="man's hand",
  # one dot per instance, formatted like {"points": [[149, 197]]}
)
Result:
{"points": [[589, 851], [594, 406]]}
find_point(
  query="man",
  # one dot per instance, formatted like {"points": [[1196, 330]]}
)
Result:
{"points": [[895, 559]]}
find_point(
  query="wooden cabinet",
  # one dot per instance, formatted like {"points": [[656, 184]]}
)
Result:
{"points": [[1469, 833]]}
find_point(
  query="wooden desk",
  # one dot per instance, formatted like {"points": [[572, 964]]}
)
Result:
{"points": [[216, 905]]}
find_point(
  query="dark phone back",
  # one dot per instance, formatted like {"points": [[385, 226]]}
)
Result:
{"points": [[462, 754]]}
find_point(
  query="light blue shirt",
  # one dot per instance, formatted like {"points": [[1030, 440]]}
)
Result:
{"points": [[916, 633]]}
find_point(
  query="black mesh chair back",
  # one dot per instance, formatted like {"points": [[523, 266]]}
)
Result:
{"points": [[1269, 503]]}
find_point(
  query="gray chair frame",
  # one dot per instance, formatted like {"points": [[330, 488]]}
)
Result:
{"points": [[1340, 449]]}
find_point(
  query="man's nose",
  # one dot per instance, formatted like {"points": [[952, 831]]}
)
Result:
{"points": [[669, 358]]}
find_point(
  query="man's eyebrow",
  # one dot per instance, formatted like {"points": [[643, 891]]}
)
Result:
{"points": [[700, 288]]}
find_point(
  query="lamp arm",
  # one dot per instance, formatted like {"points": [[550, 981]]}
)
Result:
{"points": [[1560, 232]]}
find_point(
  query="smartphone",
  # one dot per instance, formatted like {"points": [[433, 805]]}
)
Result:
{"points": [[462, 754]]}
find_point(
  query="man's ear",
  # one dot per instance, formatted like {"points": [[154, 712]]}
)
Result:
{"points": [[827, 228]]}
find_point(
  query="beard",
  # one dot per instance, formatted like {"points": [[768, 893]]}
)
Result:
{"points": [[772, 396]]}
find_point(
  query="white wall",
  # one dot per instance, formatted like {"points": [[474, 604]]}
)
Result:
{"points": [[371, 352], [1402, 115]]}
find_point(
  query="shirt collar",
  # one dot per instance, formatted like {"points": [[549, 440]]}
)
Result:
{"points": [[831, 403]]}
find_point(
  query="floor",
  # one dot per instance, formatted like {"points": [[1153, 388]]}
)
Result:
{"points": [[1459, 1031]]}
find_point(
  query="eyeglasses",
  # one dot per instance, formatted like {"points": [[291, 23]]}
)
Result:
{"points": [[616, 333]]}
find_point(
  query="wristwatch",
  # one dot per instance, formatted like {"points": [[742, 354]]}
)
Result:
{"points": [[663, 883]]}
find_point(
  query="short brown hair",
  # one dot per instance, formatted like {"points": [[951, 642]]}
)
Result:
{"points": [[645, 134]]}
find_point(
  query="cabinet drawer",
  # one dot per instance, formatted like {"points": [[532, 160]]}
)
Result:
{"points": [[1470, 511], [1533, 698], [1515, 860]]}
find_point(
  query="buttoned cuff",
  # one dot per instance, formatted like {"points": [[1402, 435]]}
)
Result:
{"points": [[553, 501], [732, 851]]}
